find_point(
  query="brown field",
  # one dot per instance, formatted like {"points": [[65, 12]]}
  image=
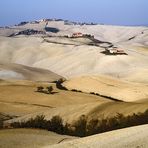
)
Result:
{"points": [[19, 98]]}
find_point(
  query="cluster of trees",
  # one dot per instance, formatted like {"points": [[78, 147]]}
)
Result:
{"points": [[48, 90], [27, 32], [55, 124], [67, 22], [84, 127]]}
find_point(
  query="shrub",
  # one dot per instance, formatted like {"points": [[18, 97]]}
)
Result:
{"points": [[49, 89], [37, 122], [56, 124], [16, 125], [1, 124], [74, 90], [68, 129], [92, 93], [80, 126], [40, 89], [92, 127]]}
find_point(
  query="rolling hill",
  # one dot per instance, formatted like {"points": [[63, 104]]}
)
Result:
{"points": [[100, 83]]}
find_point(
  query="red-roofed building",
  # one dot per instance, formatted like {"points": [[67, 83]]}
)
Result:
{"points": [[77, 34]]}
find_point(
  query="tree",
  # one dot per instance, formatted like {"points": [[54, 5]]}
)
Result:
{"points": [[80, 126], [56, 124], [40, 89], [49, 89], [92, 127], [59, 84], [1, 124]]}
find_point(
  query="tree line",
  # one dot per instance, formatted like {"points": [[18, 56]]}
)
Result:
{"points": [[84, 127]]}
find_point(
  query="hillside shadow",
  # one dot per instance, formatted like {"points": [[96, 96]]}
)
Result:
{"points": [[52, 29]]}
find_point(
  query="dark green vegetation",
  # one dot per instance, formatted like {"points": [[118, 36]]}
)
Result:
{"points": [[52, 29], [1, 124], [76, 90], [55, 124], [59, 84], [84, 127], [104, 96], [48, 90]]}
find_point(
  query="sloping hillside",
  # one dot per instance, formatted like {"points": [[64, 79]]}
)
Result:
{"points": [[30, 138], [125, 138], [34, 54], [20, 99], [110, 87], [21, 72], [72, 60]]}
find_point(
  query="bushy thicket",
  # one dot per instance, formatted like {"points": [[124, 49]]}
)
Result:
{"points": [[119, 121], [55, 124], [1, 124], [48, 90], [83, 127], [75, 90]]}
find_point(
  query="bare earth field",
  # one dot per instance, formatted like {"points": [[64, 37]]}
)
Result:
{"points": [[99, 85]]}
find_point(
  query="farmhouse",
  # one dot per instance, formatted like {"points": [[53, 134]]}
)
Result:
{"points": [[77, 34], [115, 50]]}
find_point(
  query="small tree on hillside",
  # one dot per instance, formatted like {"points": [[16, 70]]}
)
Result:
{"points": [[56, 124], [59, 84], [92, 127], [49, 89], [80, 126], [40, 89], [1, 124]]}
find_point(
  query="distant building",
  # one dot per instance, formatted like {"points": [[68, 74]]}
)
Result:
{"points": [[77, 34], [34, 22], [115, 50], [44, 20]]}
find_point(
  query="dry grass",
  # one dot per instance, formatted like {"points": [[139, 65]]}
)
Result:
{"points": [[126, 138], [111, 87], [30, 138], [21, 99]]}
